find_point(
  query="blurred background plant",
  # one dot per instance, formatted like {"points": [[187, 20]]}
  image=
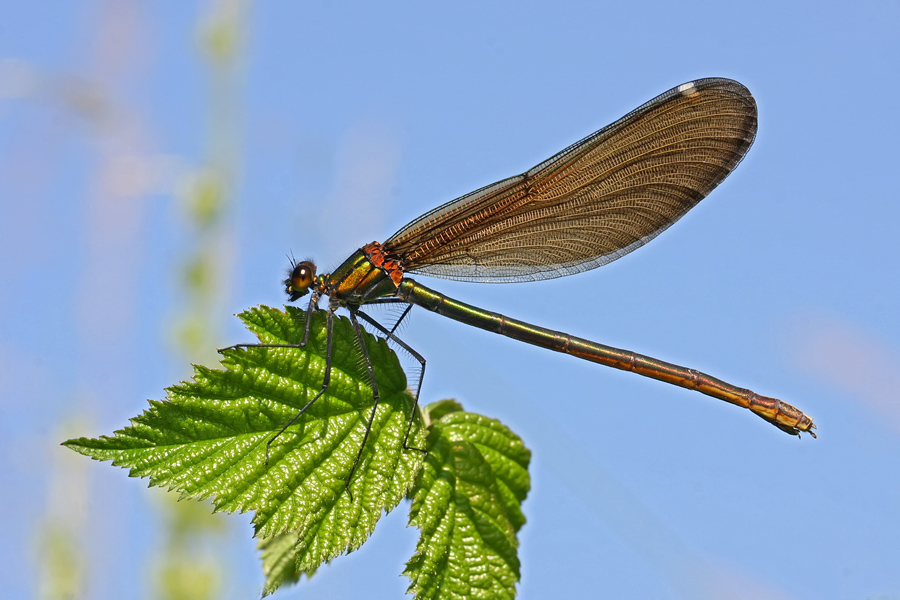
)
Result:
{"points": [[97, 112]]}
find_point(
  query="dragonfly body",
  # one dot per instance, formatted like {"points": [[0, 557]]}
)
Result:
{"points": [[368, 276], [584, 207]]}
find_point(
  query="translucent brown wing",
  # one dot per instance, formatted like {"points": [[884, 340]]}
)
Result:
{"points": [[595, 201]]}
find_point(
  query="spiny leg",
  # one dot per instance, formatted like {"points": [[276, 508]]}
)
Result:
{"points": [[325, 380], [397, 324], [390, 335], [391, 300], [329, 322], [375, 397], [313, 306]]}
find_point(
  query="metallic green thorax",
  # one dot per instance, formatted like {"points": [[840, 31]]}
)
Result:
{"points": [[358, 281]]}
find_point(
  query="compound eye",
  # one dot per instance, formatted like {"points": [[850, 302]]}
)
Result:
{"points": [[301, 278]]}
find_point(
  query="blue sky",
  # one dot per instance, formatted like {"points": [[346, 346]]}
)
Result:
{"points": [[351, 119]]}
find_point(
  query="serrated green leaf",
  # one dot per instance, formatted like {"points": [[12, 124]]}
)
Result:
{"points": [[436, 410], [279, 561], [209, 439], [467, 504]]}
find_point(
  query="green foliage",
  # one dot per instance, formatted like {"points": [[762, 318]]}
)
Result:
{"points": [[279, 561], [467, 503], [209, 440]]}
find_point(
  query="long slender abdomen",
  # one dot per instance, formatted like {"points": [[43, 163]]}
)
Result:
{"points": [[781, 414]]}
